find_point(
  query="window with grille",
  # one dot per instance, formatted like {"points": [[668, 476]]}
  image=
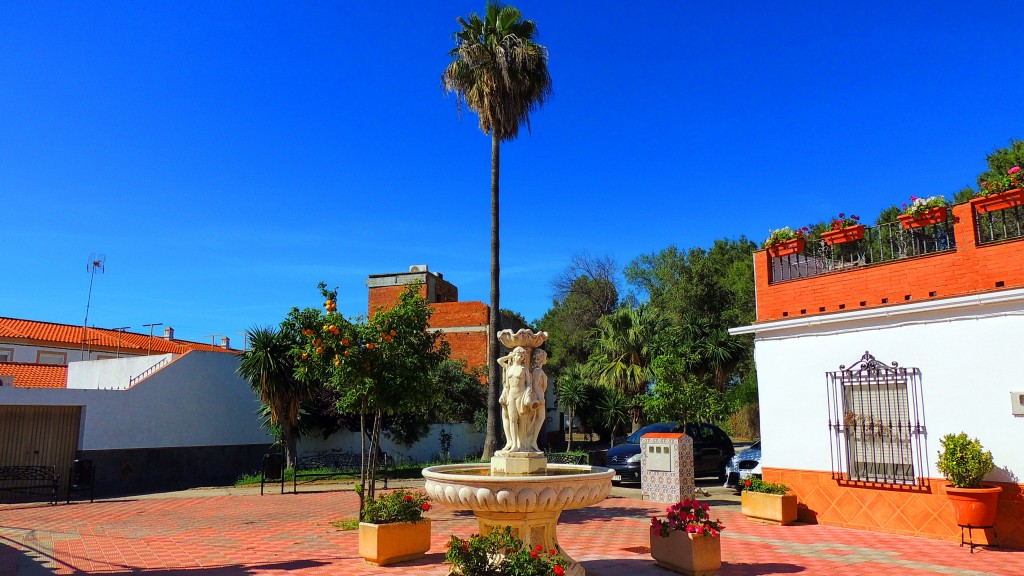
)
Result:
{"points": [[876, 423]]}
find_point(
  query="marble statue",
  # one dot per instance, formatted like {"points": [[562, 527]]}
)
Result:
{"points": [[524, 384]]}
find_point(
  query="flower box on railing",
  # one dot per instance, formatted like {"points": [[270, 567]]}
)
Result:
{"points": [[793, 246], [1000, 201], [928, 218], [843, 235]]}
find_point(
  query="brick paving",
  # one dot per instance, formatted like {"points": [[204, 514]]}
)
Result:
{"points": [[247, 535]]}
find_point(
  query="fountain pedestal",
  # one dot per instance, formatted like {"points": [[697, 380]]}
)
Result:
{"points": [[518, 463]]}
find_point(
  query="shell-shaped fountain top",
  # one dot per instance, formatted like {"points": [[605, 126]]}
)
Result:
{"points": [[523, 337]]}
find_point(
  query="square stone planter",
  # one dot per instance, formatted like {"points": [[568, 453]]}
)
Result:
{"points": [[384, 544], [773, 508], [690, 554]]}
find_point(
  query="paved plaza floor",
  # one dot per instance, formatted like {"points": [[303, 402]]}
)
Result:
{"points": [[240, 533]]}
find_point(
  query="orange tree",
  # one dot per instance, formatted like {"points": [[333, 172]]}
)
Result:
{"points": [[381, 367]]}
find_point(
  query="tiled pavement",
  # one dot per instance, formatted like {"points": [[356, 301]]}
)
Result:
{"points": [[246, 534]]}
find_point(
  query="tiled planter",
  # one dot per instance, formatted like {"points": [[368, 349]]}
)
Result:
{"points": [[848, 234], [933, 216], [690, 554], [1001, 201], [774, 508], [384, 544]]}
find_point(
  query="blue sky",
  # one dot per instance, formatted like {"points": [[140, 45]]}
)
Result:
{"points": [[227, 156]]}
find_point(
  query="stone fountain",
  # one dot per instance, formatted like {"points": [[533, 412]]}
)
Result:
{"points": [[519, 488]]}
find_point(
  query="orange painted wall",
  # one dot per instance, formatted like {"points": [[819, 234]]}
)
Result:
{"points": [[896, 509], [969, 269]]}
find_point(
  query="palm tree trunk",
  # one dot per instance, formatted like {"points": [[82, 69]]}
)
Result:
{"points": [[493, 378]]}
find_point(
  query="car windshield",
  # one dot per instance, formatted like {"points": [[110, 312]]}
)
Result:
{"points": [[634, 438]]}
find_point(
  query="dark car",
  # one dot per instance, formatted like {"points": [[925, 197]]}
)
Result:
{"points": [[712, 450]]}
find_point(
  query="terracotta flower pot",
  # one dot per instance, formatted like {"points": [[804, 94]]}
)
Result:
{"points": [[384, 544], [928, 218], [975, 507], [691, 554], [1000, 201], [848, 234], [774, 508], [793, 246]]}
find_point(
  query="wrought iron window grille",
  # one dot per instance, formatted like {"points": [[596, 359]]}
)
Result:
{"points": [[999, 225], [876, 424]]}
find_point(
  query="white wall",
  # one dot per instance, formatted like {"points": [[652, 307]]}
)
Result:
{"points": [[113, 374], [466, 441], [969, 355], [197, 400], [23, 353]]}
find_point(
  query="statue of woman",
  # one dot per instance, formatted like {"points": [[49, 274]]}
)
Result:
{"points": [[516, 380], [535, 398]]}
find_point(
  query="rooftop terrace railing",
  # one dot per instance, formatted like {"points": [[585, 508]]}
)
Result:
{"points": [[999, 225], [881, 243]]}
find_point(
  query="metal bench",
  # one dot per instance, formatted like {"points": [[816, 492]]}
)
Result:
{"points": [[566, 458], [318, 465], [30, 480]]}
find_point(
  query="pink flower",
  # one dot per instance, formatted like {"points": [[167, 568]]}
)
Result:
{"points": [[841, 215], [912, 198], [654, 522], [1013, 170]]}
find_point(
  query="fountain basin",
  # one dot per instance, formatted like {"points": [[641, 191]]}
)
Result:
{"points": [[563, 487]]}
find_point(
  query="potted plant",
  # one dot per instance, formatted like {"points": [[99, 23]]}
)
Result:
{"points": [[687, 540], [964, 463], [1000, 193], [392, 528], [843, 229], [924, 212], [768, 501], [501, 552], [785, 241]]}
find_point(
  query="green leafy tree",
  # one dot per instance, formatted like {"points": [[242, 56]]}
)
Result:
{"points": [[382, 368], [268, 367], [501, 73], [678, 395], [1001, 160], [586, 290]]}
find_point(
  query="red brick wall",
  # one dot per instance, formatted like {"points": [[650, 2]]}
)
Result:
{"points": [[387, 296], [970, 269], [468, 346]]}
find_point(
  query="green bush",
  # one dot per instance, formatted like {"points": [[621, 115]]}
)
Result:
{"points": [[501, 553], [396, 506], [758, 485], [963, 461]]}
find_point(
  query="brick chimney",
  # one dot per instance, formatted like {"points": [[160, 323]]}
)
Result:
{"points": [[168, 333]]}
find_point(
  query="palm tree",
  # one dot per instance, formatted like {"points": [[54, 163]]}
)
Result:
{"points": [[713, 354], [624, 350], [499, 72], [268, 367], [573, 384]]}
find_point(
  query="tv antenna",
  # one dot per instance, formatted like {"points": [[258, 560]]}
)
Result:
{"points": [[96, 262]]}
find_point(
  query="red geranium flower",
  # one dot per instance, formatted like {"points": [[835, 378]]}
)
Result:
{"points": [[533, 553], [559, 571], [408, 498], [426, 506]]}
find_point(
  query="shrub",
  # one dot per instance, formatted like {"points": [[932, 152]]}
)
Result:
{"points": [[688, 516], [963, 461], [397, 506], [501, 553], [758, 485]]}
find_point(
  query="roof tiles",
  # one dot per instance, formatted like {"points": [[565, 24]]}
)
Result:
{"points": [[66, 334], [35, 375]]}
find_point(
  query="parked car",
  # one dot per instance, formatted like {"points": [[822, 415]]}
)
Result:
{"points": [[712, 450], [745, 464]]}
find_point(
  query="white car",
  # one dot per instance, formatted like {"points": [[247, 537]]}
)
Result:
{"points": [[745, 464]]}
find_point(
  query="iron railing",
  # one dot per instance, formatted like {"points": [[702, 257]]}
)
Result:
{"points": [[149, 371], [881, 243], [999, 225], [876, 423]]}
